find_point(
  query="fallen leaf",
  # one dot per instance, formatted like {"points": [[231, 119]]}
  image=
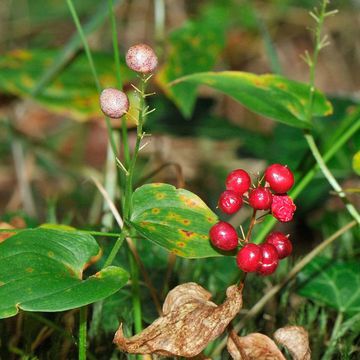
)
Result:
{"points": [[189, 322], [296, 340], [254, 346]]}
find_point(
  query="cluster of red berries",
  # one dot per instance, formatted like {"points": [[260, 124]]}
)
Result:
{"points": [[272, 197]]}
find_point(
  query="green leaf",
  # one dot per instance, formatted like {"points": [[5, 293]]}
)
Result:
{"points": [[73, 92], [175, 219], [334, 283], [192, 48], [273, 96], [356, 162], [42, 269]]}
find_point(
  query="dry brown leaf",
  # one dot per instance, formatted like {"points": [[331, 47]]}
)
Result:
{"points": [[254, 346], [296, 339], [189, 323]]}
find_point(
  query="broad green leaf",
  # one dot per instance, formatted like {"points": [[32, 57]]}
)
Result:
{"points": [[42, 270], [73, 92], [334, 283], [356, 163], [273, 96], [192, 48], [175, 219]]}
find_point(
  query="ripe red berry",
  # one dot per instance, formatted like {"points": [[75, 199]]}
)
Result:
{"points": [[141, 58], [281, 242], [283, 207], [239, 181], [224, 236], [248, 259], [279, 177], [260, 198], [114, 103], [230, 202], [270, 259]]}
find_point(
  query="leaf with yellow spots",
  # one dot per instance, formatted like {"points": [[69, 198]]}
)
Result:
{"points": [[356, 162], [42, 270], [72, 92], [273, 96], [175, 219]]}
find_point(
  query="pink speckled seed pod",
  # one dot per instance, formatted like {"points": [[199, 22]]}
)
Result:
{"points": [[141, 58], [114, 103]]}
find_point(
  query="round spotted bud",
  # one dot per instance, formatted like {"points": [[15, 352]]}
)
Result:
{"points": [[114, 103], [141, 58]]}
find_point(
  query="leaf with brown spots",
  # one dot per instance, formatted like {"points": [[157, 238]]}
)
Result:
{"points": [[189, 322], [6, 234], [175, 219], [253, 347], [296, 340]]}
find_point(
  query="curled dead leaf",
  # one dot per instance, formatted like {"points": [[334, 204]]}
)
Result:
{"points": [[254, 346], [296, 340], [189, 322]]}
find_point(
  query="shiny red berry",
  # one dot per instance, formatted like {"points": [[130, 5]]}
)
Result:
{"points": [[249, 258], [281, 242], [224, 236], [270, 259], [239, 181], [279, 177], [230, 202], [282, 207], [260, 198]]}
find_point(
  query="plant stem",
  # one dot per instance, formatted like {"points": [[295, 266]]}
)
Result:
{"points": [[115, 248], [319, 44], [251, 226], [139, 136], [330, 177], [82, 333], [332, 342], [85, 43], [275, 289]]}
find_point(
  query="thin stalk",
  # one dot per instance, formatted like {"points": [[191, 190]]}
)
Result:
{"points": [[82, 333], [251, 226], [276, 288], [115, 44], [139, 136], [319, 44], [332, 342], [115, 248], [85, 43], [330, 177]]}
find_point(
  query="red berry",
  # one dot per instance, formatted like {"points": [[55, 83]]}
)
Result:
{"points": [[114, 103], [224, 236], [260, 198], [283, 207], [281, 242], [270, 259], [141, 58], [230, 202], [249, 258], [279, 177], [239, 181]]}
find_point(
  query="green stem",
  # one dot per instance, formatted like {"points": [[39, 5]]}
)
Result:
{"points": [[139, 136], [306, 179], [85, 43], [115, 248], [330, 177], [332, 342], [82, 333]]}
